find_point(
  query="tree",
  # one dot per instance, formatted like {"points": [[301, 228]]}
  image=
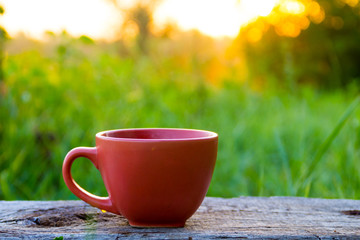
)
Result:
{"points": [[3, 38], [314, 42], [139, 15]]}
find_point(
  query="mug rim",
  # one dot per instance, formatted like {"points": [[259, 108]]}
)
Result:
{"points": [[210, 135]]}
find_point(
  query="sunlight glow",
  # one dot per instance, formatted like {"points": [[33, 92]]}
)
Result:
{"points": [[216, 17], [255, 8], [100, 19], [293, 7], [289, 18], [94, 18]]}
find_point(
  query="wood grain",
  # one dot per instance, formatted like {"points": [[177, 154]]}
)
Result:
{"points": [[244, 217]]}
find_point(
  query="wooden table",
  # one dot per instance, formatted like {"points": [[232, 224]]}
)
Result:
{"points": [[244, 217]]}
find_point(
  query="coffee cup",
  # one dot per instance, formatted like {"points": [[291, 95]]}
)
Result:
{"points": [[155, 177]]}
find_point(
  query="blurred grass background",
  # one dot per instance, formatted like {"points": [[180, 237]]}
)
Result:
{"points": [[274, 101]]}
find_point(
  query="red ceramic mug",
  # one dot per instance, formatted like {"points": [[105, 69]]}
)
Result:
{"points": [[154, 177]]}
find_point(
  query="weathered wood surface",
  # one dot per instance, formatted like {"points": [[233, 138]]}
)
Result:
{"points": [[244, 217]]}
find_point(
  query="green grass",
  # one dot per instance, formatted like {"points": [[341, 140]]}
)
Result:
{"points": [[271, 142]]}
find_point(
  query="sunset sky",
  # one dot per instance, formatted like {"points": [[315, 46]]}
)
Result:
{"points": [[99, 19]]}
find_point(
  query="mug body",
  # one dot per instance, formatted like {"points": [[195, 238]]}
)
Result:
{"points": [[156, 177]]}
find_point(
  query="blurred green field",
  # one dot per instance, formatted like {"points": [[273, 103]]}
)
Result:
{"points": [[56, 99]]}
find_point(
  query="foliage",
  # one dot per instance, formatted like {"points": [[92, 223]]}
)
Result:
{"points": [[277, 96], [58, 97], [3, 37], [310, 42]]}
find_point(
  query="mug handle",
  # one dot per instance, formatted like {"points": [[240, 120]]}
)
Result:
{"points": [[103, 203]]}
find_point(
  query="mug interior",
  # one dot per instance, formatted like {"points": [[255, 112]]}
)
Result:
{"points": [[158, 134]]}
